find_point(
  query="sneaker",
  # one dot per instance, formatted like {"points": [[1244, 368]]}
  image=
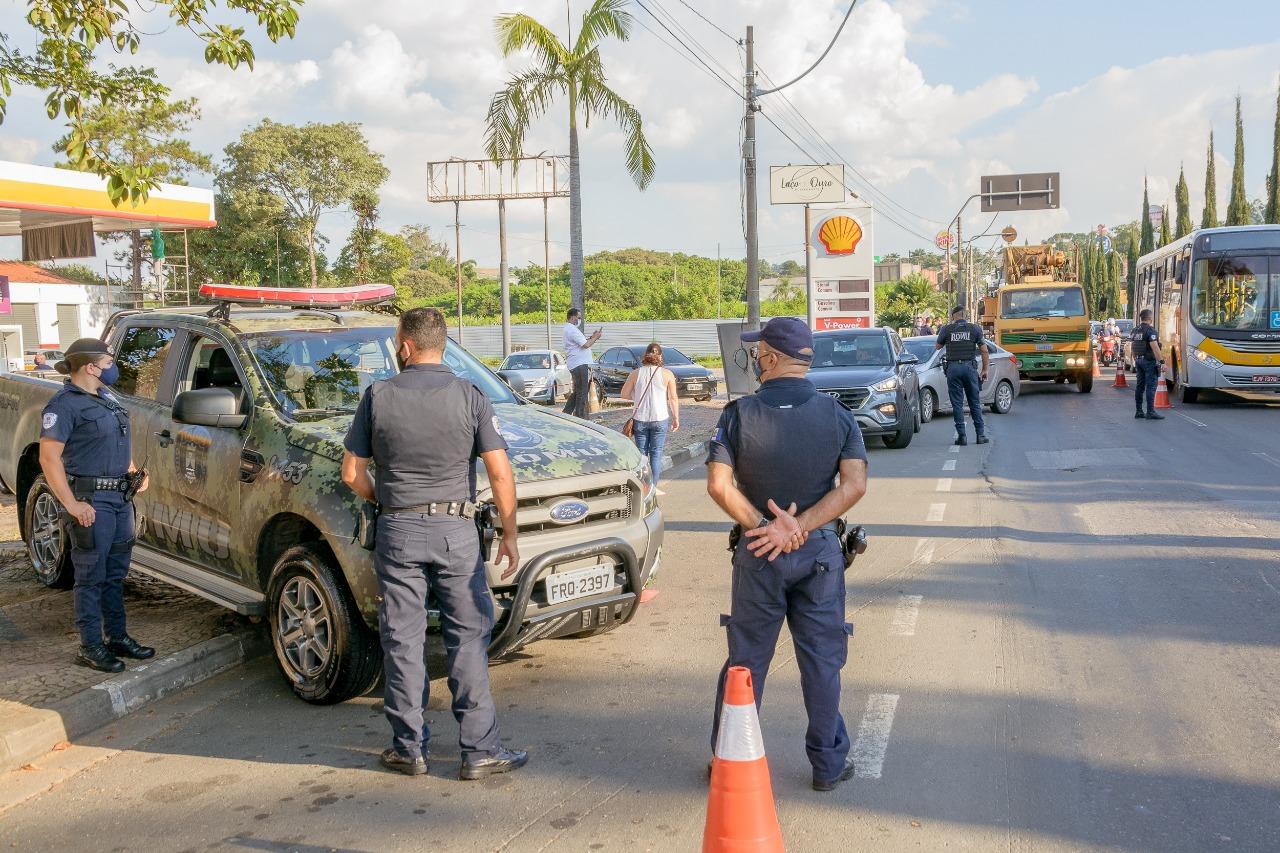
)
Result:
{"points": [[1139, 416], [502, 761], [961, 441], [846, 773], [100, 658], [415, 766], [1152, 416], [982, 439]]}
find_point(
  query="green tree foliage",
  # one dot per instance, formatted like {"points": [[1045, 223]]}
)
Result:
{"points": [[577, 72], [1238, 206], [1209, 219], [373, 257], [899, 303], [309, 170], [1184, 206], [425, 250], [1271, 213], [1147, 241], [76, 272], [1166, 236], [1115, 282], [257, 241], [74, 39], [1132, 259]]}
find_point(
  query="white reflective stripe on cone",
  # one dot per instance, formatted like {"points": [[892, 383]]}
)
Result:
{"points": [[740, 738]]}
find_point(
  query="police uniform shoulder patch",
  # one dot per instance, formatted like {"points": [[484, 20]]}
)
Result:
{"points": [[496, 426], [49, 419]]}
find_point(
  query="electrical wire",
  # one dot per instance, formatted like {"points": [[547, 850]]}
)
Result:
{"points": [[819, 59], [691, 51], [709, 21], [689, 37]]}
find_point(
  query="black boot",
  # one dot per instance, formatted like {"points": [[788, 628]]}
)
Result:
{"points": [[1139, 415], [502, 761], [99, 658], [961, 441], [128, 647]]}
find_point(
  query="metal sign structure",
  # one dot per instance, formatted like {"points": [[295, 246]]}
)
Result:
{"points": [[817, 184], [842, 291], [545, 177], [1027, 191]]}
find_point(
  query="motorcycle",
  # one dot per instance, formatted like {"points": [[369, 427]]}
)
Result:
{"points": [[1108, 351]]}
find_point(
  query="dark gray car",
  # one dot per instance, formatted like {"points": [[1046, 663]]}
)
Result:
{"points": [[871, 372]]}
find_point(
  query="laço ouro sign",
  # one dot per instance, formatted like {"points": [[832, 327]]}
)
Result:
{"points": [[822, 184]]}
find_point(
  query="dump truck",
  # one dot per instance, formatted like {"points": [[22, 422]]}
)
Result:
{"points": [[1042, 316]]}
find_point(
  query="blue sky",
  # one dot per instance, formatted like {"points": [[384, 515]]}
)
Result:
{"points": [[922, 96]]}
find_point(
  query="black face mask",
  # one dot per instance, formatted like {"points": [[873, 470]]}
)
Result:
{"points": [[756, 368], [400, 361]]}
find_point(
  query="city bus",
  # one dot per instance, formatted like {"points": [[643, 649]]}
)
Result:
{"points": [[1215, 299]]}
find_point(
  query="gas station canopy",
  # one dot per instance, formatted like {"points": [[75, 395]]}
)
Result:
{"points": [[57, 211]]}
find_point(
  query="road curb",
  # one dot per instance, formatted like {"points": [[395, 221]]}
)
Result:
{"points": [[27, 733], [693, 451]]}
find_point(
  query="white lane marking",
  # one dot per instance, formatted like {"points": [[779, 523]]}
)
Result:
{"points": [[904, 618], [944, 484], [936, 511], [924, 552], [1193, 420], [1268, 458], [873, 735], [953, 449], [949, 465]]}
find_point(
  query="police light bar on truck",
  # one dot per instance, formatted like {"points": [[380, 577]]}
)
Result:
{"points": [[325, 298]]}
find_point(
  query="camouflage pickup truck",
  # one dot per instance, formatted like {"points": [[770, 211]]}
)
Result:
{"points": [[246, 507]]}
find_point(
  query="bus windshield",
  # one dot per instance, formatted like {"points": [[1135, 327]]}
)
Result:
{"points": [[1235, 292], [1042, 302]]}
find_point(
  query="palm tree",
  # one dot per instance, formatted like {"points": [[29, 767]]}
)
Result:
{"points": [[578, 72]]}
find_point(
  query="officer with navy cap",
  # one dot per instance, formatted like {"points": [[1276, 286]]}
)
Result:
{"points": [[85, 455], [786, 463], [425, 428], [963, 342], [1146, 359]]}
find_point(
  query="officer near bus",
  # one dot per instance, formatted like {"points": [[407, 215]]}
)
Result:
{"points": [[424, 428], [85, 456], [1146, 360], [964, 343], [786, 463]]}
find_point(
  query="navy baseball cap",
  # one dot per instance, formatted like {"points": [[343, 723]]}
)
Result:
{"points": [[787, 335]]}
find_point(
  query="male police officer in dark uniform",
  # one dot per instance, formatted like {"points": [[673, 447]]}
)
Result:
{"points": [[963, 342], [85, 456], [424, 428], [783, 447], [1146, 360]]}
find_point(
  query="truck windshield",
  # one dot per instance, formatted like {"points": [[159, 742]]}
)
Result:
{"points": [[1042, 302], [311, 372]]}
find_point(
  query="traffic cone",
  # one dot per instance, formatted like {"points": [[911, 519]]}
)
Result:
{"points": [[741, 817], [1162, 394], [1120, 382], [1097, 371]]}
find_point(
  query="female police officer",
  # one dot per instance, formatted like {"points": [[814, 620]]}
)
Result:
{"points": [[84, 452]]}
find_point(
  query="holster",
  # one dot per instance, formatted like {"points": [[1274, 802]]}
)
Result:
{"points": [[852, 542], [486, 528], [367, 525], [735, 536], [135, 479], [84, 488]]}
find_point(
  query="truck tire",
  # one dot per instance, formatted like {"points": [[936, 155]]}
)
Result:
{"points": [[48, 543], [322, 645], [1084, 381]]}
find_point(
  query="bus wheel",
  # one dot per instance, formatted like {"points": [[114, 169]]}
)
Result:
{"points": [[1189, 395], [1084, 381], [1059, 380]]}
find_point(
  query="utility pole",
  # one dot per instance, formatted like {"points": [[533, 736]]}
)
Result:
{"points": [[719, 285], [457, 257], [961, 292], [808, 264], [546, 264], [749, 169], [503, 284]]}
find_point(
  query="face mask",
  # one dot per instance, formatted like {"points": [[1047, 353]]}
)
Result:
{"points": [[401, 361], [110, 375], [757, 369]]}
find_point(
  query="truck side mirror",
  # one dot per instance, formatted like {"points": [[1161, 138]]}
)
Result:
{"points": [[210, 407]]}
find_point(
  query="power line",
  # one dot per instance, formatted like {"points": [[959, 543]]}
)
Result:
{"points": [[820, 58], [709, 21], [690, 50], [689, 37]]}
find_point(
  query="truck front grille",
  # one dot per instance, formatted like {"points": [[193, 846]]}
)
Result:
{"points": [[605, 505], [1012, 338]]}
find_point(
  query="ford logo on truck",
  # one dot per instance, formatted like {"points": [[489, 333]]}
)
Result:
{"points": [[568, 510]]}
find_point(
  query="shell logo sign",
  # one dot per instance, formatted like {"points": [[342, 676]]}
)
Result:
{"points": [[840, 235]]}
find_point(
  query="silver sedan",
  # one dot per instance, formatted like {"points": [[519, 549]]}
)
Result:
{"points": [[540, 375], [999, 391]]}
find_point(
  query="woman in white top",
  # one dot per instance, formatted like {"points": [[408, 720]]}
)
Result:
{"points": [[653, 388]]}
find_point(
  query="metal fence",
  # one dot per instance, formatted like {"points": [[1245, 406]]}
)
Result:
{"points": [[692, 337]]}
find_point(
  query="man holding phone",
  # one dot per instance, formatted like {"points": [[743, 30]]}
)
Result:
{"points": [[577, 353]]}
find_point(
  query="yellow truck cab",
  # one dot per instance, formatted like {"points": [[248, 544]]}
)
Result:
{"points": [[1042, 316]]}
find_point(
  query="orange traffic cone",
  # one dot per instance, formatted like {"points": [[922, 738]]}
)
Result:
{"points": [[741, 817], [1162, 394], [1120, 382], [1097, 371]]}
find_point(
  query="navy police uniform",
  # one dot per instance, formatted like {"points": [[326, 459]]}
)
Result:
{"points": [[786, 442], [424, 429], [1148, 369], [961, 341], [95, 432]]}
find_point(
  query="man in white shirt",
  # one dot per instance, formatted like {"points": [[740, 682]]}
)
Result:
{"points": [[577, 352]]}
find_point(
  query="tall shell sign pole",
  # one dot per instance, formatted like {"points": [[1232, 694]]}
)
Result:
{"points": [[843, 265]]}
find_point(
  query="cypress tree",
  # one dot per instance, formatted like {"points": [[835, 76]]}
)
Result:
{"points": [[1238, 208], [1273, 185], [1184, 206], [1133, 269], [1113, 284], [1210, 217], [1148, 240], [1165, 237], [1098, 278]]}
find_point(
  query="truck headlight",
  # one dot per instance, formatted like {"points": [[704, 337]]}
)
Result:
{"points": [[648, 494], [890, 384], [1206, 359]]}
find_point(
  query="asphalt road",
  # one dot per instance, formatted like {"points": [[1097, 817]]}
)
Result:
{"points": [[1065, 640]]}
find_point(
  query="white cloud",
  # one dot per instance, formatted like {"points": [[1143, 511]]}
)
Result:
{"points": [[22, 149], [376, 73], [240, 95]]}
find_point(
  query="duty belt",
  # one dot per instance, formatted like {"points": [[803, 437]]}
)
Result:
{"points": [[102, 484], [459, 509]]}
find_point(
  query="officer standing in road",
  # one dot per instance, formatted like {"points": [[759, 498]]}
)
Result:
{"points": [[425, 428], [1146, 361], [963, 342], [85, 457], [784, 447]]}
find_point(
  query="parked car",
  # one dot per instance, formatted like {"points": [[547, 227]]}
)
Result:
{"points": [[871, 372], [692, 380], [999, 391], [540, 375]]}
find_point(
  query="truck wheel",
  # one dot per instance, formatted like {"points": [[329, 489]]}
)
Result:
{"points": [[323, 647], [900, 439], [1003, 401], [48, 544], [1084, 381]]}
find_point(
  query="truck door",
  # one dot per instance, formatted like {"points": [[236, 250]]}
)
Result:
{"points": [[201, 465]]}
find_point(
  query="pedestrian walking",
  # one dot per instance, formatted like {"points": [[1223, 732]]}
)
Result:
{"points": [[1146, 362], [87, 460], [657, 410], [771, 466], [963, 343], [424, 428], [578, 358]]}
